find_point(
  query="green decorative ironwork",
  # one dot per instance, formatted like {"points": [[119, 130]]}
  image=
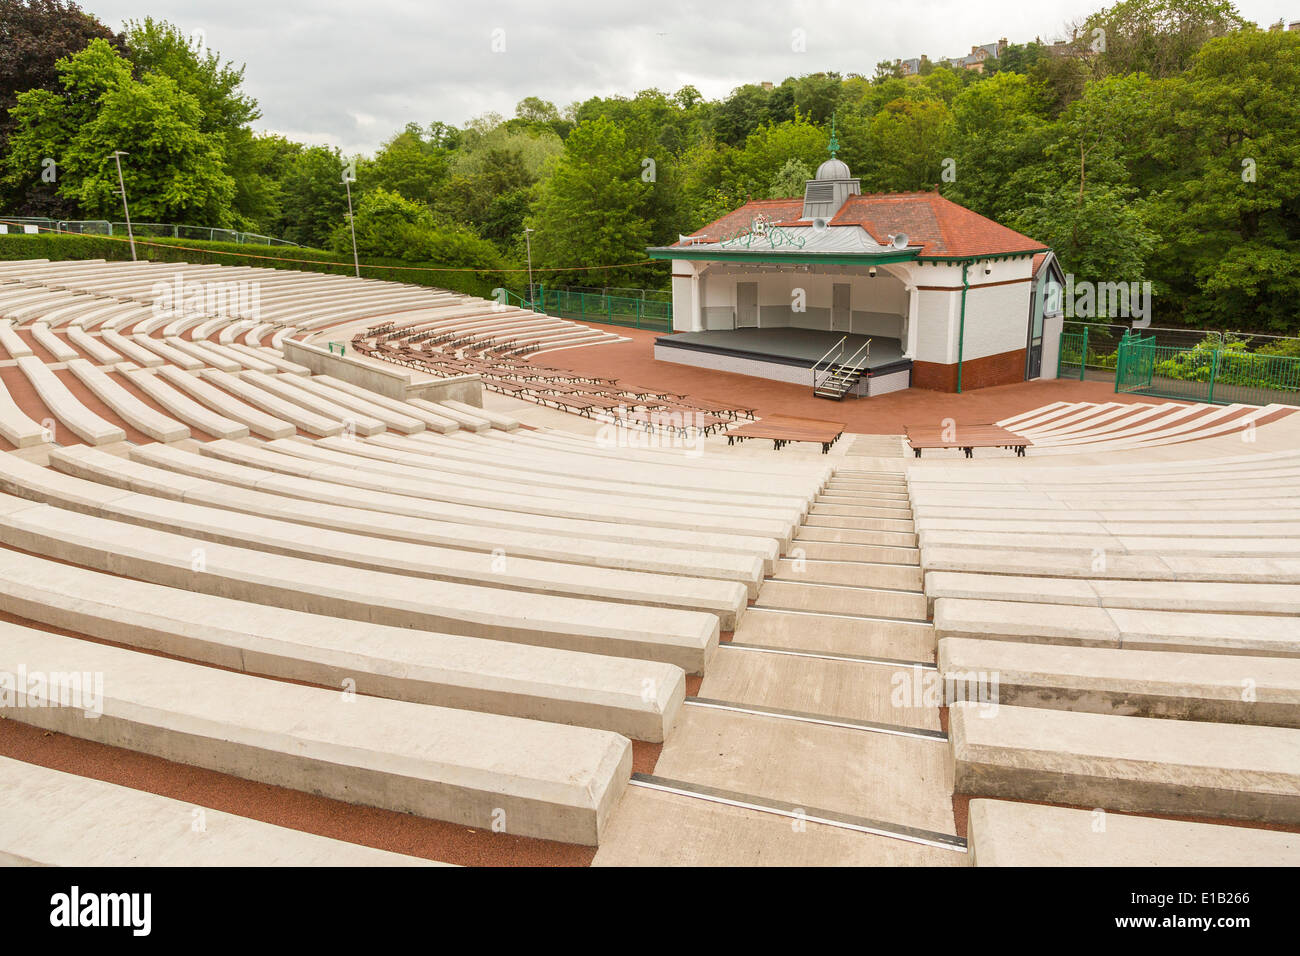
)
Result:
{"points": [[833, 146], [761, 230]]}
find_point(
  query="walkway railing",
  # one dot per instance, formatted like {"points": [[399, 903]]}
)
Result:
{"points": [[633, 311], [1219, 373], [103, 227]]}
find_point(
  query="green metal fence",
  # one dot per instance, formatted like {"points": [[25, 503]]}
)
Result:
{"points": [[1208, 372], [1072, 359], [639, 312], [633, 311]]}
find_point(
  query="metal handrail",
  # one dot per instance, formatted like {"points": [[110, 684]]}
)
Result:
{"points": [[838, 345], [852, 363], [866, 347]]}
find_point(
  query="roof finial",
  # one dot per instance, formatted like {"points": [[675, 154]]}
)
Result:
{"points": [[833, 146]]}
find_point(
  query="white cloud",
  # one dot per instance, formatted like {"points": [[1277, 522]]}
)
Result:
{"points": [[351, 73]]}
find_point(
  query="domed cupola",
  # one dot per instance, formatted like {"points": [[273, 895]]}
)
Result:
{"points": [[831, 187]]}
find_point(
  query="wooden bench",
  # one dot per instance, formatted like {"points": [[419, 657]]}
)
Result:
{"points": [[965, 437], [783, 429]]}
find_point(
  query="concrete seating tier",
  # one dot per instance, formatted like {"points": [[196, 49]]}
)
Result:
{"points": [[249, 467], [1004, 833], [52, 343], [518, 574], [1209, 687], [95, 347], [135, 476], [126, 406], [66, 407], [16, 428], [227, 406], [449, 670], [105, 825], [545, 780], [1071, 428], [272, 404], [684, 638], [1134, 764], [305, 458]]}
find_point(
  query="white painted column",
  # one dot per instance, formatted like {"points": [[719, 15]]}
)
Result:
{"points": [[913, 310], [697, 283]]}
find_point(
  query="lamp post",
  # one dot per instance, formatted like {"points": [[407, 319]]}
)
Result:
{"points": [[529, 246], [117, 155], [352, 223]]}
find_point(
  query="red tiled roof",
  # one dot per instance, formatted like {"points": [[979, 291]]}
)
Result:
{"points": [[938, 225]]}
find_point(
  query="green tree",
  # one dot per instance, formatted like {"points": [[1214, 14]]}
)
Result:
{"points": [[905, 146], [175, 171], [312, 198], [1000, 129], [393, 227], [592, 210], [790, 180], [1226, 196], [34, 36], [1159, 37]]}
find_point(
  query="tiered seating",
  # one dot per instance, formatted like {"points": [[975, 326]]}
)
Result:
{"points": [[431, 609], [1066, 428], [507, 608], [1138, 622]]}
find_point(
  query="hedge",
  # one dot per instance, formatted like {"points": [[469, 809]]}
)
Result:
{"points": [[64, 246]]}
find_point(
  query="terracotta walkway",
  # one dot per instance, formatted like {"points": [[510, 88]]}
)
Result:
{"points": [[634, 361]]}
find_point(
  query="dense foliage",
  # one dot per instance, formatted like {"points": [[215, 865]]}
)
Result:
{"points": [[1161, 144]]}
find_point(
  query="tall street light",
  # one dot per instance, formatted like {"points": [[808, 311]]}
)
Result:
{"points": [[352, 223], [117, 155], [529, 245]]}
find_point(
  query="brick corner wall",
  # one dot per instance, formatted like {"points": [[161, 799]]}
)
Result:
{"points": [[1005, 368]]}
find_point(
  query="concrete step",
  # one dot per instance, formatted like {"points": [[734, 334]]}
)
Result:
{"points": [[848, 536], [542, 780], [858, 524], [900, 577], [1136, 764], [717, 834], [830, 599], [855, 690], [903, 780], [865, 553], [820, 633], [52, 818], [850, 511]]}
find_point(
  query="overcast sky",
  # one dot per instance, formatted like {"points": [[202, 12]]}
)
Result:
{"points": [[349, 73]]}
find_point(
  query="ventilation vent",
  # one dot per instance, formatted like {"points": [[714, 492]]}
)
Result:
{"points": [[820, 192]]}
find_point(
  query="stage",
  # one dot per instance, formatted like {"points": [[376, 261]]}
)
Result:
{"points": [[786, 354]]}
